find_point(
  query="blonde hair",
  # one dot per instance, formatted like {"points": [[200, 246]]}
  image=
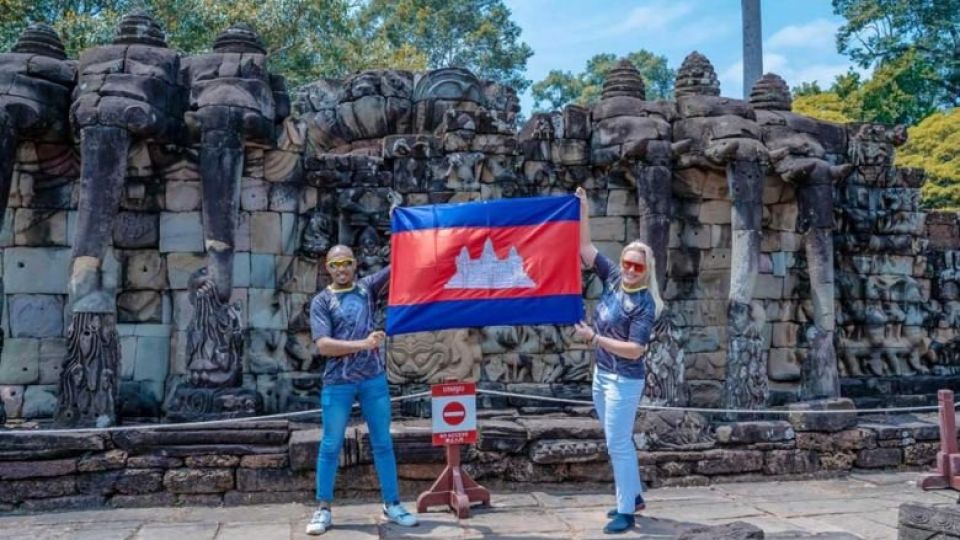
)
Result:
{"points": [[651, 282]]}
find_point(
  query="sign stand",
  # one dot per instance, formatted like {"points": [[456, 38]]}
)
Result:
{"points": [[454, 407], [454, 488], [948, 458]]}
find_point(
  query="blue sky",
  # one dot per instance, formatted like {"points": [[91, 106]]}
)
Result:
{"points": [[798, 37]]}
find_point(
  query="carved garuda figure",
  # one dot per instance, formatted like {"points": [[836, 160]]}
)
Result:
{"points": [[35, 84], [724, 135], [234, 103], [128, 90], [800, 159]]}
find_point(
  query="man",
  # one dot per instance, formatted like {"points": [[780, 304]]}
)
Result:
{"points": [[341, 320]]}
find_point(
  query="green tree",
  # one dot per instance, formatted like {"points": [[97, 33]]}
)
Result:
{"points": [[306, 39], [474, 34], [885, 32], [561, 87], [823, 106], [934, 145]]}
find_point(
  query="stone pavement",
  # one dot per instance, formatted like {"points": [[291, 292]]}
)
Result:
{"points": [[860, 506]]}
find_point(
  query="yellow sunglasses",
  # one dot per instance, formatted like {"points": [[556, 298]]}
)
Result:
{"points": [[341, 263]]}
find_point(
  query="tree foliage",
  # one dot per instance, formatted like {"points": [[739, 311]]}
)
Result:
{"points": [[886, 32], [934, 145], [559, 88], [306, 39], [821, 105]]}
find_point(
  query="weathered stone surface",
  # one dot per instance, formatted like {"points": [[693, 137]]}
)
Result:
{"points": [[62, 504], [154, 462], [241, 498], [144, 270], [20, 361], [198, 480], [36, 315], [135, 230], [567, 450], [878, 457], [18, 470], [181, 231], [143, 501], [777, 462], [36, 270], [18, 490], [754, 432], [803, 420], [39, 401], [935, 521], [304, 445], [737, 530], [561, 428], [265, 461], [502, 436], [730, 461], [212, 461], [273, 480], [111, 460], [850, 439]]}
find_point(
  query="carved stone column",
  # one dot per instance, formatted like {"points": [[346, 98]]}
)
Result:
{"points": [[111, 108], [724, 135], [234, 104], [799, 159]]}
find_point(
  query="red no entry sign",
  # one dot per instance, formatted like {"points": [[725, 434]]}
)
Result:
{"points": [[454, 410]]}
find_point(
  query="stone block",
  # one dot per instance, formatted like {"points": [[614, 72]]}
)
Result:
{"points": [[181, 231], [303, 448], [36, 227], [267, 309], [52, 353], [182, 196], [929, 521], [715, 212], [144, 270], [291, 231], [608, 229], [39, 401], [139, 307], [15, 491], [198, 480], [780, 462], [696, 236], [804, 415], [180, 266], [297, 274], [135, 230], [755, 432], [265, 233], [265, 461], [241, 237], [622, 202], [730, 461], [783, 366], [106, 461], [871, 458], [20, 361], [768, 287], [706, 365], [546, 451], [36, 270], [152, 361], [214, 461], [254, 195], [12, 398], [19, 470], [284, 197], [784, 334], [241, 270], [274, 480], [7, 228], [36, 315], [263, 271]]}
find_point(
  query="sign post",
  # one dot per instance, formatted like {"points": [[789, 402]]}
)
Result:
{"points": [[948, 458], [454, 411]]}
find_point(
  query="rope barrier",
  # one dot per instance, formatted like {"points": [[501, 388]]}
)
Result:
{"points": [[188, 425], [480, 391], [928, 408]]}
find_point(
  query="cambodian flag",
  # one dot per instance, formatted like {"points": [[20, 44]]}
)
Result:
{"points": [[503, 262]]}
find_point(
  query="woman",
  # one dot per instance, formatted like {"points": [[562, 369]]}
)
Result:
{"points": [[622, 327]]}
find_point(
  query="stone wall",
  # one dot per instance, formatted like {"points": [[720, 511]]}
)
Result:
{"points": [[734, 196], [274, 461]]}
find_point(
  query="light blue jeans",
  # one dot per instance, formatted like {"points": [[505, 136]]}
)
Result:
{"points": [[616, 399], [336, 401]]}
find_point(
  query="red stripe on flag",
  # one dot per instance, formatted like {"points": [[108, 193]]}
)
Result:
{"points": [[424, 261]]}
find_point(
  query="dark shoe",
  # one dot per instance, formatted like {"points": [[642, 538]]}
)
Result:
{"points": [[620, 523], [639, 508]]}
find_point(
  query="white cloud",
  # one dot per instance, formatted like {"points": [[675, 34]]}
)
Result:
{"points": [[818, 34], [653, 17], [731, 79]]}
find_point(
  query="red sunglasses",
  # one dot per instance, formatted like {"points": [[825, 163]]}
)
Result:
{"points": [[636, 267]]}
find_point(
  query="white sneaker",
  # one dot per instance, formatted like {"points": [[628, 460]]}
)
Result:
{"points": [[322, 520], [399, 515]]}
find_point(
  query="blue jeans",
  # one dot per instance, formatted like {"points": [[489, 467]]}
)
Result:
{"points": [[336, 402], [616, 399]]}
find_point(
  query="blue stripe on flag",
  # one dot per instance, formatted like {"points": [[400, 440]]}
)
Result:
{"points": [[557, 309], [497, 213]]}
